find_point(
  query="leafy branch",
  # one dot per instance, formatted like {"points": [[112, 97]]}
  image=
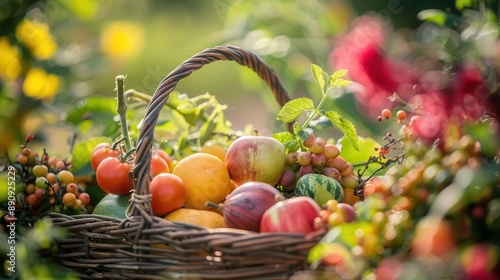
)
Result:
{"points": [[294, 108]]}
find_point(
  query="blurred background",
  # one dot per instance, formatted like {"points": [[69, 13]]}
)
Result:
{"points": [[58, 56]]}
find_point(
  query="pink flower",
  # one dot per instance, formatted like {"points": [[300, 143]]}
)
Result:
{"points": [[360, 51]]}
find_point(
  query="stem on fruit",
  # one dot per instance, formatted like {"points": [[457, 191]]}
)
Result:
{"points": [[117, 142], [121, 108], [128, 154], [214, 205]]}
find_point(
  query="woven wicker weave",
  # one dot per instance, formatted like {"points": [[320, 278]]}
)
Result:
{"points": [[143, 246]]}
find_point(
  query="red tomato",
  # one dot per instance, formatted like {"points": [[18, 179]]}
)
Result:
{"points": [[169, 193], [100, 152], [158, 166], [112, 176], [164, 156]]}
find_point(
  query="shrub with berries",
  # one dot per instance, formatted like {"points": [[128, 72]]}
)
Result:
{"points": [[44, 184]]}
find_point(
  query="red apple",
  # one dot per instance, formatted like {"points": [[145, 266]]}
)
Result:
{"points": [[256, 159], [295, 214]]}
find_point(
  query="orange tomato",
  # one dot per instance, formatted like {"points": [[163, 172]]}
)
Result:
{"points": [[169, 193], [158, 166], [164, 156]]}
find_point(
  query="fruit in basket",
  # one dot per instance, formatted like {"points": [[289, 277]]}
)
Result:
{"points": [[214, 149], [294, 215], [169, 193], [112, 176], [259, 187], [256, 159], [100, 152], [206, 179], [113, 205], [203, 218], [243, 209], [165, 157], [158, 166], [319, 187]]}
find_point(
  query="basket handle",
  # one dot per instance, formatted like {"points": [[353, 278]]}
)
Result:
{"points": [[140, 204]]}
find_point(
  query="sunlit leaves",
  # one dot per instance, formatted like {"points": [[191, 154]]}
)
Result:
{"points": [[294, 108], [345, 126], [365, 150]]}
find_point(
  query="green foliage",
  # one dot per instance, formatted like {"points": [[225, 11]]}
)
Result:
{"points": [[30, 264], [296, 107], [359, 156], [433, 15], [95, 114], [345, 126], [81, 155]]}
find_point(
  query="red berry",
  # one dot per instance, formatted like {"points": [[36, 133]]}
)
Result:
{"points": [[29, 137], [26, 152], [22, 159], [386, 113], [379, 118], [401, 115]]}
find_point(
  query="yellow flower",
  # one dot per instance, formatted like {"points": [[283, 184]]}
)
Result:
{"points": [[121, 39], [10, 60], [37, 38], [39, 84]]}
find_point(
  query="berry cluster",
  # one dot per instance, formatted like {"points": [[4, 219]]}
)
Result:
{"points": [[46, 185], [319, 156]]}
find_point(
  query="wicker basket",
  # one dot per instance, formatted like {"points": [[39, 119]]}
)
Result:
{"points": [[143, 246]]}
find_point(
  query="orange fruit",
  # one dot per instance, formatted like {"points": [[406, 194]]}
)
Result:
{"points": [[214, 149], [204, 218], [206, 178]]}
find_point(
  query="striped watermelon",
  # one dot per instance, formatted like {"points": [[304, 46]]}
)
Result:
{"points": [[319, 187]]}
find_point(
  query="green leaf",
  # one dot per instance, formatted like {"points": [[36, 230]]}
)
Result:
{"points": [[186, 106], [84, 170], [337, 75], [296, 128], [340, 83], [322, 195], [83, 150], [292, 145], [318, 75], [95, 111], [206, 131], [283, 137], [304, 134], [356, 156], [345, 126], [481, 132], [93, 105], [461, 4], [294, 108], [433, 15]]}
